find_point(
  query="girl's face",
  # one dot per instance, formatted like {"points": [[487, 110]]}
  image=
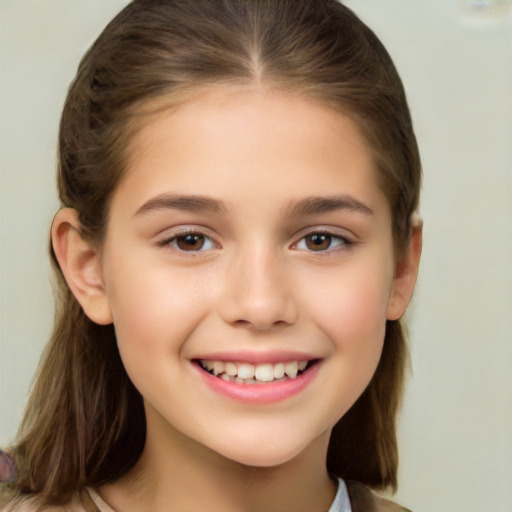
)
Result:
{"points": [[249, 238]]}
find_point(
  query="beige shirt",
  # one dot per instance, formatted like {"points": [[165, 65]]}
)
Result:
{"points": [[361, 500], [340, 503]]}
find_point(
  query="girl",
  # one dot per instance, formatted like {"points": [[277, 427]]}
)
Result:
{"points": [[236, 247]]}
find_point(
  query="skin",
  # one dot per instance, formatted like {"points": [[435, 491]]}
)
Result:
{"points": [[257, 287]]}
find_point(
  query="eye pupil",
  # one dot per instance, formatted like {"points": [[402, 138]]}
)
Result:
{"points": [[190, 242], [318, 241]]}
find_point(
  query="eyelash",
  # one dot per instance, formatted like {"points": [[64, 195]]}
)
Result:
{"points": [[174, 240], [342, 241]]}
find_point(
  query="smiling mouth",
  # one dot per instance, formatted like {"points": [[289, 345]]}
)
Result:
{"points": [[247, 373]]}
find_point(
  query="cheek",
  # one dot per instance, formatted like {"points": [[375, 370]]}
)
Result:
{"points": [[354, 322], [154, 309], [355, 296], [352, 313], [153, 317]]}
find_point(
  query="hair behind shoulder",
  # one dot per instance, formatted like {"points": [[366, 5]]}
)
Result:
{"points": [[84, 423]]}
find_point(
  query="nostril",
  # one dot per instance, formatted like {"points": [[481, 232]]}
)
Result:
{"points": [[242, 322], [260, 324]]}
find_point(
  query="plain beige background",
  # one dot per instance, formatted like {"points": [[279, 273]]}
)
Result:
{"points": [[455, 58]]}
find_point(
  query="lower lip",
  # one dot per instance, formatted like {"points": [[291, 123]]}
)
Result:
{"points": [[266, 393]]}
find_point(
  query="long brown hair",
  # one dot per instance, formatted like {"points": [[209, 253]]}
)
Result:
{"points": [[84, 423]]}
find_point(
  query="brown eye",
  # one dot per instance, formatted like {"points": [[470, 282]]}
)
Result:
{"points": [[318, 241], [190, 242], [322, 241]]}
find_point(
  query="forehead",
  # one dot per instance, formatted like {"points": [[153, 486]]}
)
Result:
{"points": [[249, 142]]}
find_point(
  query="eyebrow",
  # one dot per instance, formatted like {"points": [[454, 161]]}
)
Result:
{"points": [[185, 202], [317, 205], [305, 207]]}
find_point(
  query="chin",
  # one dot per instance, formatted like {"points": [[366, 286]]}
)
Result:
{"points": [[262, 460], [266, 453]]}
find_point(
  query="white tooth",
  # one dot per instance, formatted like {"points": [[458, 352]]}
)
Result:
{"points": [[231, 369], [239, 380], [227, 377], [218, 367], [302, 365], [207, 364], [291, 368], [279, 371], [246, 371], [264, 372]]}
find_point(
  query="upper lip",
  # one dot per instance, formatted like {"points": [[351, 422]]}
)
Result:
{"points": [[255, 358]]}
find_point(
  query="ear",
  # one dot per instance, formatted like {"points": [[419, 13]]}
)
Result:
{"points": [[406, 272], [81, 265]]}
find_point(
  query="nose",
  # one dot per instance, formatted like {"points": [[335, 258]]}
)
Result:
{"points": [[258, 292]]}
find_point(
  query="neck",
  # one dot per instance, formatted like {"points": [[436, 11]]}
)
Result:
{"points": [[175, 473]]}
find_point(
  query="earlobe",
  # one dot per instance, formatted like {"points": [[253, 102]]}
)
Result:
{"points": [[406, 273], [81, 266]]}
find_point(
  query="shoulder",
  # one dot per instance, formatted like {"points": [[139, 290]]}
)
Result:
{"points": [[364, 500], [79, 503]]}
